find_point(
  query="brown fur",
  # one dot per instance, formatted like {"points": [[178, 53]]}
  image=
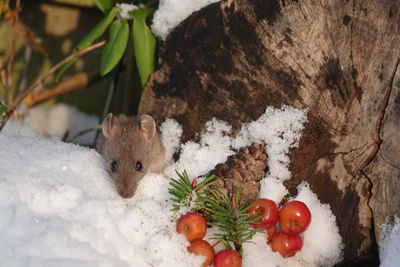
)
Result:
{"points": [[127, 140]]}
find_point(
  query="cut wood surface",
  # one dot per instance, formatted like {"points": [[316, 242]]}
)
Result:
{"points": [[339, 59]]}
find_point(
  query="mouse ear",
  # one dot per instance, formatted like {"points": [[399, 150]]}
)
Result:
{"points": [[147, 127], [109, 126]]}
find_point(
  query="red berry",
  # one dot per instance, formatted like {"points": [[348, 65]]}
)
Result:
{"points": [[203, 248], [192, 225], [270, 233], [228, 258], [294, 217], [268, 209], [286, 245]]}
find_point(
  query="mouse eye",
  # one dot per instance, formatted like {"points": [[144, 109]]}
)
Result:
{"points": [[139, 166], [114, 166]]}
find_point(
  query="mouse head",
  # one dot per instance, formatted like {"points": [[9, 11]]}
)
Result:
{"points": [[127, 150]]}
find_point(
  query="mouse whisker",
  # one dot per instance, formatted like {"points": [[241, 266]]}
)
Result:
{"points": [[110, 181]]}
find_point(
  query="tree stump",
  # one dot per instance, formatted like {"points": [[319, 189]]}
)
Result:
{"points": [[338, 58]]}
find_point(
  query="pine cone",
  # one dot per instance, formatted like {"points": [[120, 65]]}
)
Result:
{"points": [[243, 170]]}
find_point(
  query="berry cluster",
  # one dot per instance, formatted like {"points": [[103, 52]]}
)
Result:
{"points": [[194, 227], [236, 219], [294, 218]]}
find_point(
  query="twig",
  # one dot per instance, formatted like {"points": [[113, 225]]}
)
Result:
{"points": [[152, 3], [10, 62], [24, 71], [57, 67], [73, 83], [41, 80], [2, 75], [110, 90], [12, 56], [94, 128]]}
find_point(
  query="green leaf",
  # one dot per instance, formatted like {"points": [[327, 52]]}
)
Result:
{"points": [[238, 196], [179, 188], [179, 185], [208, 181], [226, 244], [3, 108], [247, 207], [144, 44], [98, 30], [186, 179], [183, 195], [178, 195], [232, 219], [115, 47], [103, 5], [174, 199], [4, 6], [183, 183], [95, 33]]}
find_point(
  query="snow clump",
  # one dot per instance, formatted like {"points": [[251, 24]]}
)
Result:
{"points": [[389, 244], [172, 12]]}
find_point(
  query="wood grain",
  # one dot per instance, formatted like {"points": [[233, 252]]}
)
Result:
{"points": [[339, 59]]}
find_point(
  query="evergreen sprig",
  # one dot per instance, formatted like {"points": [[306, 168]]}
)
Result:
{"points": [[231, 218], [190, 195], [228, 214]]}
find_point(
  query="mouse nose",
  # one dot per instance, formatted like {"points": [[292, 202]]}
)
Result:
{"points": [[125, 192]]}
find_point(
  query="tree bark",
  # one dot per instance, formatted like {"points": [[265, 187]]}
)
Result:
{"points": [[339, 59]]}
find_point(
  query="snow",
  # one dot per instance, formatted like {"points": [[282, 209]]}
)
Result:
{"points": [[58, 206], [199, 158], [171, 134], [125, 9], [280, 130], [59, 120], [172, 12], [389, 244]]}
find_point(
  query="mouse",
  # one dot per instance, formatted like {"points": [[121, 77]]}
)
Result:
{"points": [[131, 147]]}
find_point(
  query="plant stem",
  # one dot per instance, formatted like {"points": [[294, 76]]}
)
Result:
{"points": [[3, 75], [152, 3], [76, 82], [236, 238], [42, 79], [12, 55], [24, 71], [110, 89], [216, 243]]}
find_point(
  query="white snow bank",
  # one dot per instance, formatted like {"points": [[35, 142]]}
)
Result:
{"points": [[59, 208], [172, 12], [389, 244], [279, 129], [59, 119]]}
